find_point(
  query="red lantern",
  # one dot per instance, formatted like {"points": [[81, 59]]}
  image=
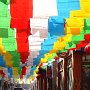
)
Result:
{"points": [[87, 49], [41, 64], [56, 58]]}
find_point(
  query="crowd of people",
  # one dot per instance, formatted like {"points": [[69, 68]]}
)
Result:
{"points": [[5, 85]]}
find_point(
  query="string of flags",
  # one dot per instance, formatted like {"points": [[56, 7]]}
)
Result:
{"points": [[32, 32]]}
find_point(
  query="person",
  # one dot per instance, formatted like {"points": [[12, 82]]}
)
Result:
{"points": [[11, 86], [5, 85], [24, 86]]}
